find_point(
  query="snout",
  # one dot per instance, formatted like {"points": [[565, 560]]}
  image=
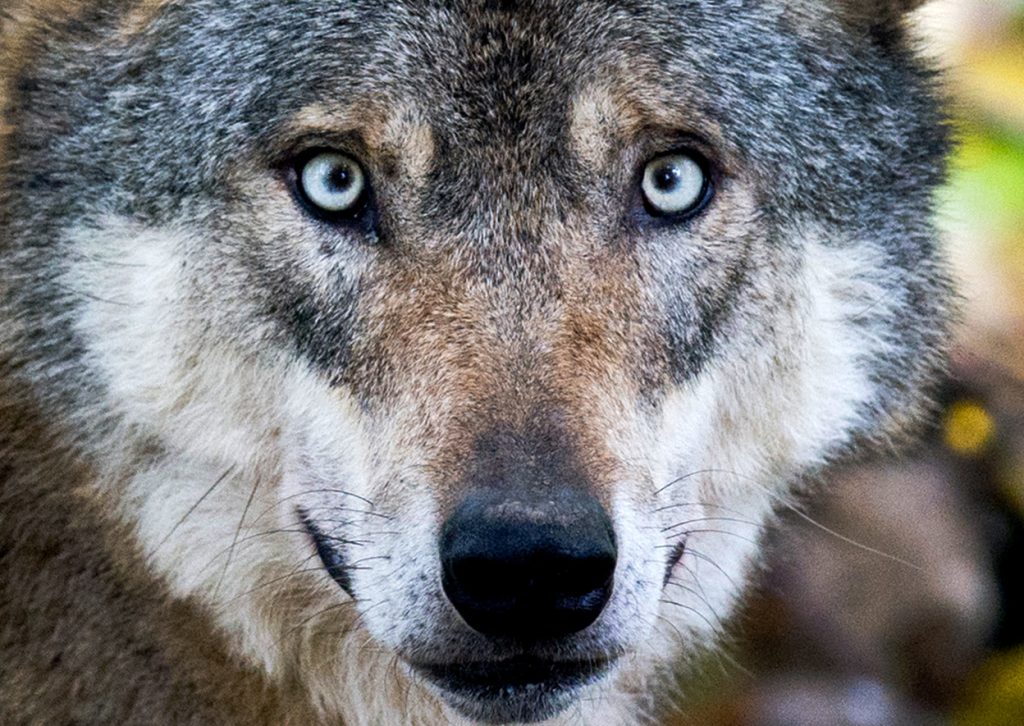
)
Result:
{"points": [[528, 570], [527, 554]]}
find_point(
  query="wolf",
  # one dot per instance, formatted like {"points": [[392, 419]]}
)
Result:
{"points": [[437, 361]]}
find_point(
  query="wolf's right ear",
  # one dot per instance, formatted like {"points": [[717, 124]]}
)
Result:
{"points": [[875, 13]]}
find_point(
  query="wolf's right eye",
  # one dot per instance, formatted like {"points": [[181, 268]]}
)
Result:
{"points": [[676, 185], [332, 183]]}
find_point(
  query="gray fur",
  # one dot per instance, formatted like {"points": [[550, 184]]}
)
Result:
{"points": [[828, 118]]}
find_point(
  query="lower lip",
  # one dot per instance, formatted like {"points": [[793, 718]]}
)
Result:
{"points": [[332, 561], [522, 689], [500, 678]]}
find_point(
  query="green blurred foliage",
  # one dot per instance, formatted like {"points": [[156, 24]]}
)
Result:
{"points": [[988, 175], [986, 193]]}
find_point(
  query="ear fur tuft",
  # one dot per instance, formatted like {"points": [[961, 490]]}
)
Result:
{"points": [[876, 12]]}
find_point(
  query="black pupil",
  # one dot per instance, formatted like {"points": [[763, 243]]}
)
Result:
{"points": [[667, 177], [339, 179]]}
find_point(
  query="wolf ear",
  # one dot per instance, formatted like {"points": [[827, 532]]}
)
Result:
{"points": [[876, 13]]}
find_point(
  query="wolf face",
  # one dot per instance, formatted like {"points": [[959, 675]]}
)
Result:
{"points": [[452, 356]]}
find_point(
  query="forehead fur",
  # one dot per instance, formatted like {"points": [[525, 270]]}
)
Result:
{"points": [[490, 74]]}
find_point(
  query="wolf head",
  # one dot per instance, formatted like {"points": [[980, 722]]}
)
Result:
{"points": [[455, 354]]}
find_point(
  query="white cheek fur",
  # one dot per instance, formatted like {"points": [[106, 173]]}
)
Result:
{"points": [[754, 420]]}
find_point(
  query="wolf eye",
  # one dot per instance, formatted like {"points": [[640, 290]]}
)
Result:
{"points": [[332, 183], [676, 185]]}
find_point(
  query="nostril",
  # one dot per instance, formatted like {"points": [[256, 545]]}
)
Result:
{"points": [[579, 577], [486, 578], [561, 576], [528, 579]]}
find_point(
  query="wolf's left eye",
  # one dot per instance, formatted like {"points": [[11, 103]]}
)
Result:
{"points": [[332, 183], [676, 185]]}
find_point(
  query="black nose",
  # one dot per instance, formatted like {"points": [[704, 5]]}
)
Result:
{"points": [[528, 570]]}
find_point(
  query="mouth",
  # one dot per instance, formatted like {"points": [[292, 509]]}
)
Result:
{"points": [[330, 558], [524, 689]]}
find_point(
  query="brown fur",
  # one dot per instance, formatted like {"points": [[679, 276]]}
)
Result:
{"points": [[138, 17], [155, 659], [517, 316]]}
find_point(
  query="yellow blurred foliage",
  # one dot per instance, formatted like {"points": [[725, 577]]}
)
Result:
{"points": [[969, 428], [996, 694], [993, 78]]}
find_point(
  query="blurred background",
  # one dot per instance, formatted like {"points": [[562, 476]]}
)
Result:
{"points": [[927, 626]]}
